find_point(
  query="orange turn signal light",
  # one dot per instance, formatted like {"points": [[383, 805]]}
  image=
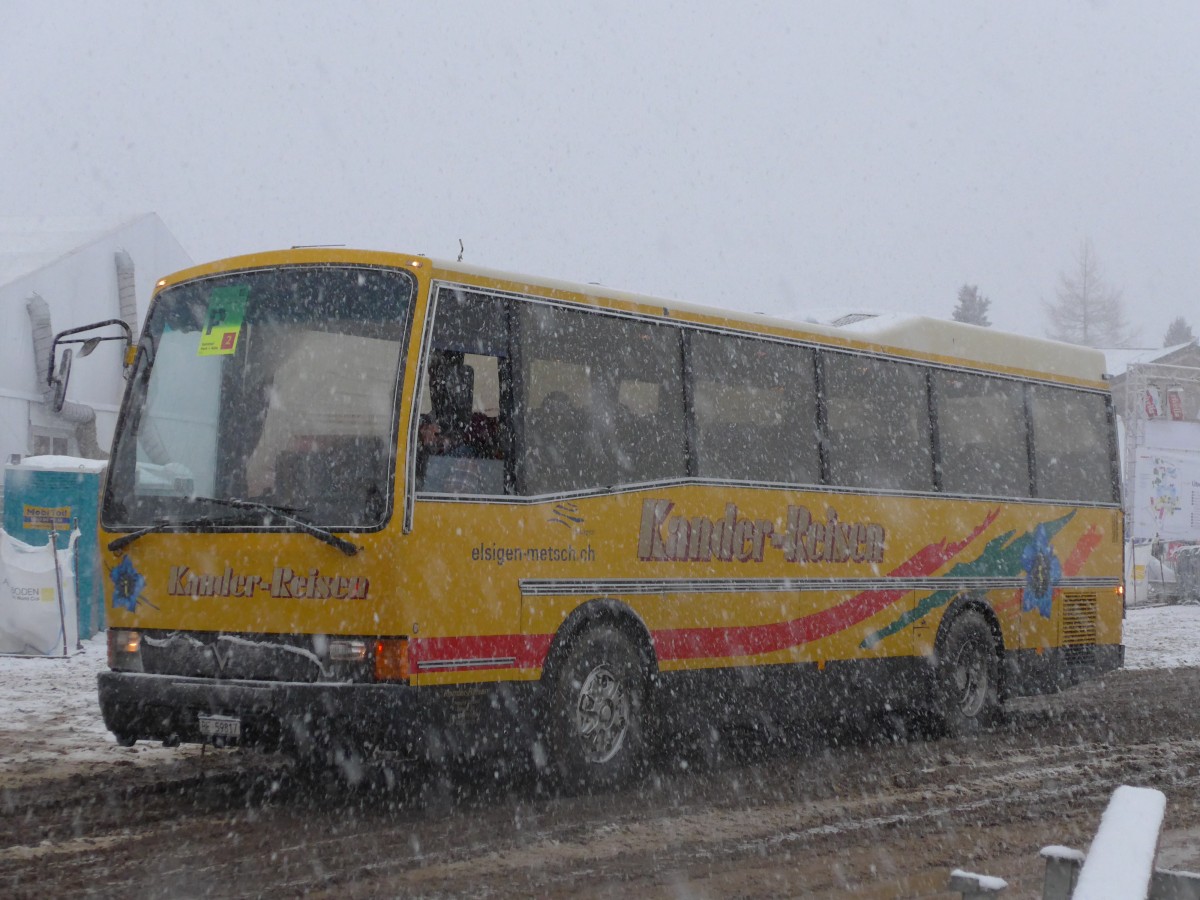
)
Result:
{"points": [[391, 659]]}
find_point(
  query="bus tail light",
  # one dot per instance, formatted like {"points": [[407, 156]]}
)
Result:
{"points": [[391, 659]]}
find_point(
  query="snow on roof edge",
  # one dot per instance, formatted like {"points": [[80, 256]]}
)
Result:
{"points": [[62, 463], [40, 261]]}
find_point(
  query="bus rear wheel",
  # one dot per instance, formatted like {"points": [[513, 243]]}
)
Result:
{"points": [[967, 676], [596, 733]]}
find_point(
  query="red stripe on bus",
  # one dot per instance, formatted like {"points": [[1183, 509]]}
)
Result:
{"points": [[1088, 542], [529, 651]]}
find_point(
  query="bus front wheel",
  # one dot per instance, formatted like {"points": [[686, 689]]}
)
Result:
{"points": [[967, 676], [596, 732]]}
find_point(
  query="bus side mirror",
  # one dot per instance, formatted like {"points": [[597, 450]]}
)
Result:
{"points": [[59, 371], [59, 379]]}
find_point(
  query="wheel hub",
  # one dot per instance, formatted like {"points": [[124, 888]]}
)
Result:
{"points": [[971, 679], [602, 715]]}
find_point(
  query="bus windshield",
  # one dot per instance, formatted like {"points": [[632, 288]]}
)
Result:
{"points": [[277, 386]]}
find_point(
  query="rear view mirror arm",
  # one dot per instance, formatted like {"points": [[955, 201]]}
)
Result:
{"points": [[57, 376]]}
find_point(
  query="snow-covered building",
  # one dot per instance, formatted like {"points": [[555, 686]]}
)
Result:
{"points": [[57, 274], [1157, 397]]}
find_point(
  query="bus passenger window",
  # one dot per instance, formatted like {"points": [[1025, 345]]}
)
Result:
{"points": [[558, 453], [603, 400], [756, 410], [1070, 445], [458, 446], [462, 439], [878, 423], [981, 429]]}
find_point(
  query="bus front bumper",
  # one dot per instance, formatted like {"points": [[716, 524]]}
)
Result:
{"points": [[277, 714]]}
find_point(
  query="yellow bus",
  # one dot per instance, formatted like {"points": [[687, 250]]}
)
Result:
{"points": [[393, 502]]}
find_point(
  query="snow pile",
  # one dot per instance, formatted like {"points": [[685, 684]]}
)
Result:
{"points": [[64, 463], [49, 711], [1067, 854], [1121, 859], [1162, 637], [40, 695], [961, 880]]}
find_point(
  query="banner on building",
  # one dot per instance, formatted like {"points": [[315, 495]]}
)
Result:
{"points": [[1152, 403], [1166, 496], [1175, 403]]}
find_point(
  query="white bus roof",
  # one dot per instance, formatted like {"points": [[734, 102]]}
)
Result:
{"points": [[971, 342]]}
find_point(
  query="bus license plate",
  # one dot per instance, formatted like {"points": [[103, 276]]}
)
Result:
{"points": [[220, 726]]}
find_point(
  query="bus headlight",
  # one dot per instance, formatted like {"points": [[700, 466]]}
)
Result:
{"points": [[124, 650], [347, 651]]}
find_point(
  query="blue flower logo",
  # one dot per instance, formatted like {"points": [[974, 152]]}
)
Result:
{"points": [[1043, 572], [127, 585]]}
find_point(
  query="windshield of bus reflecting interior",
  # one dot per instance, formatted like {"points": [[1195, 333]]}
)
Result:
{"points": [[271, 388]]}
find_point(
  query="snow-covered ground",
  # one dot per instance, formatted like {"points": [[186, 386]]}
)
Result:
{"points": [[1162, 637], [48, 707], [50, 717]]}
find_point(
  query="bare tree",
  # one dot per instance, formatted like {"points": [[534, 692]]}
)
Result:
{"points": [[1178, 332], [972, 306], [1088, 310]]}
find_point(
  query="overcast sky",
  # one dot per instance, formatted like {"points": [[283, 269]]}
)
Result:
{"points": [[785, 158]]}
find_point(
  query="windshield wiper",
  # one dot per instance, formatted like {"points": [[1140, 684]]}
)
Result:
{"points": [[161, 525], [286, 513]]}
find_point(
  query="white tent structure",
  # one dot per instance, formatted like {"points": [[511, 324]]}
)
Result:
{"points": [[57, 274]]}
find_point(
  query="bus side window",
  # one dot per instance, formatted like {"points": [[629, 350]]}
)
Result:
{"points": [[649, 424], [878, 423], [1070, 445], [981, 429], [756, 410], [462, 434], [603, 401]]}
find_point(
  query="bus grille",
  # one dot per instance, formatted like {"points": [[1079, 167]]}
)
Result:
{"points": [[200, 654], [1078, 633]]}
